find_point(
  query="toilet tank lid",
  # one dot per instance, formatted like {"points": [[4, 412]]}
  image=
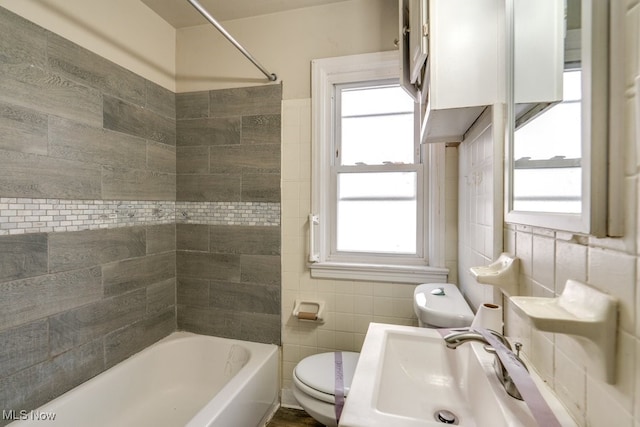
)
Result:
{"points": [[318, 371], [448, 311]]}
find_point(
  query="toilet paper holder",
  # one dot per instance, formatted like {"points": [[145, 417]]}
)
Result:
{"points": [[309, 310]]}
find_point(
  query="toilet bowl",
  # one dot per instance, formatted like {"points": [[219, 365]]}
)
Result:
{"points": [[314, 384], [437, 305]]}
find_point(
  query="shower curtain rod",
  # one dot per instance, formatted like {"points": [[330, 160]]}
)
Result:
{"points": [[272, 77]]}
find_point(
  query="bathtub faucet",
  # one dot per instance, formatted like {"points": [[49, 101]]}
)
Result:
{"points": [[455, 339]]}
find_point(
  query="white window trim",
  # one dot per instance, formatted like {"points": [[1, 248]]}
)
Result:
{"points": [[375, 66]]}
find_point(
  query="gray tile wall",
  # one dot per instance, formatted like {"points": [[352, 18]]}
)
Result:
{"points": [[228, 150], [76, 126]]}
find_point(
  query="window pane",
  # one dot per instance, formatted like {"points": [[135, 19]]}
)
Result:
{"points": [[377, 213], [377, 185], [375, 100], [377, 140], [377, 227], [547, 172], [548, 190]]}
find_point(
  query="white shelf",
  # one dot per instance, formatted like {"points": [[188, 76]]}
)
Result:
{"points": [[502, 273], [582, 312]]}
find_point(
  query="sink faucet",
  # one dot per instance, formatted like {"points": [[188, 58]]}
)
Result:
{"points": [[455, 339]]}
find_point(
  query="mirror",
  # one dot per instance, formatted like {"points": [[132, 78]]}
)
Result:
{"points": [[556, 144]]}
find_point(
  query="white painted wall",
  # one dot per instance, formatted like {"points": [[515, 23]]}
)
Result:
{"points": [[284, 43]]}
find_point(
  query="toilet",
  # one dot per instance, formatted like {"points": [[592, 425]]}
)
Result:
{"points": [[314, 380], [437, 305]]}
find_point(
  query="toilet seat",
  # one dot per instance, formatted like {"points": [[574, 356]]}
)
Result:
{"points": [[315, 375]]}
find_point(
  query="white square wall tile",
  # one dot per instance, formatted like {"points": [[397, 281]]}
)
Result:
{"points": [[570, 263], [615, 273]]}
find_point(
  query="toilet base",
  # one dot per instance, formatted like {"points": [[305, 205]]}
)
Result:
{"points": [[320, 411]]}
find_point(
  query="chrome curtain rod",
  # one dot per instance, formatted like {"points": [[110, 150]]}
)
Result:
{"points": [[272, 77]]}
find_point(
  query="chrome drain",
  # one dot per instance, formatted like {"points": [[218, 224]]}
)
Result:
{"points": [[446, 417]]}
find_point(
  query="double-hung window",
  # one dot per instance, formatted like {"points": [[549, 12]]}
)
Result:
{"points": [[370, 189]]}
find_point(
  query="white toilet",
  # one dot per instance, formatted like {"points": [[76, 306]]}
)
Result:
{"points": [[314, 380], [437, 305]]}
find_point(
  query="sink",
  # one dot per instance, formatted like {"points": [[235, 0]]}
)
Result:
{"points": [[406, 376]]}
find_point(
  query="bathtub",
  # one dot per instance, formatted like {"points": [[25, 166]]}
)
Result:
{"points": [[182, 380]]}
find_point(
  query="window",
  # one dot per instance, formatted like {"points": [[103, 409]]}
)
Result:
{"points": [[370, 176]]}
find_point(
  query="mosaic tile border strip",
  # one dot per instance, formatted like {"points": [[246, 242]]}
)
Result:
{"points": [[26, 215], [228, 213]]}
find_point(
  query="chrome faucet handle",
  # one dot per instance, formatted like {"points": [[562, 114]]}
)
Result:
{"points": [[518, 346]]}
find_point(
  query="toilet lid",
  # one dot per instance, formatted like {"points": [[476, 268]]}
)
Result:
{"points": [[318, 371]]}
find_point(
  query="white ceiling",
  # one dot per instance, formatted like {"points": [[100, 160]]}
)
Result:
{"points": [[180, 13]]}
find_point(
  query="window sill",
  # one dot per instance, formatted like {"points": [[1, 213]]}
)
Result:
{"points": [[379, 273]]}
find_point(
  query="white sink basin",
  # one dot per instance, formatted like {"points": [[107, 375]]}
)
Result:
{"points": [[406, 375]]}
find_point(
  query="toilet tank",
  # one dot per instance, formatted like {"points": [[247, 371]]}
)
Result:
{"points": [[441, 305]]}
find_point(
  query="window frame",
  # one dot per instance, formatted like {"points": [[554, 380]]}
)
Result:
{"points": [[324, 261]]}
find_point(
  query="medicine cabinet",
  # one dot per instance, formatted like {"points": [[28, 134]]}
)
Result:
{"points": [[453, 62], [556, 151]]}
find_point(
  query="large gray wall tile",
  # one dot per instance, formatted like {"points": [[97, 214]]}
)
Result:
{"points": [[245, 158], [192, 160], [245, 101], [124, 276], [122, 343], [77, 141], [135, 184], [79, 249], [135, 120], [161, 296], [208, 131], [34, 386], [200, 265], [261, 129], [209, 188], [56, 94], [193, 237], [256, 327], [264, 269], [243, 297], [23, 346], [80, 64], [75, 366], [26, 300], [260, 187], [29, 175], [238, 239], [161, 238], [192, 105], [23, 255], [21, 41], [160, 100], [22, 129], [192, 292], [84, 324], [161, 158]]}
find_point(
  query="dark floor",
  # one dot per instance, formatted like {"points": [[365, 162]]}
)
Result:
{"points": [[287, 417]]}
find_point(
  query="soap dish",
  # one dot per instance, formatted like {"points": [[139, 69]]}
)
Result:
{"points": [[581, 311], [503, 273]]}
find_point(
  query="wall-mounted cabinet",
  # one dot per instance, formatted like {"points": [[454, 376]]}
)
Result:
{"points": [[465, 70], [413, 43]]}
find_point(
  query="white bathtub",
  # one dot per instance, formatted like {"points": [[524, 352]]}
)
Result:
{"points": [[182, 380]]}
